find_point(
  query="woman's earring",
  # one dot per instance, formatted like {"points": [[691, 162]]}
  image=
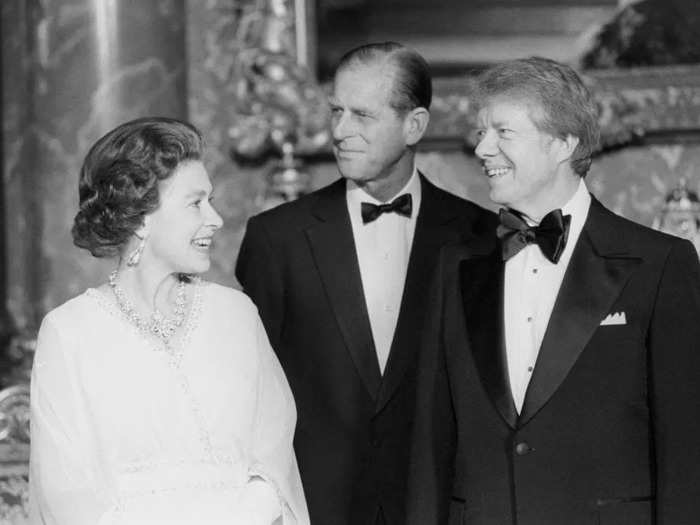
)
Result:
{"points": [[135, 256]]}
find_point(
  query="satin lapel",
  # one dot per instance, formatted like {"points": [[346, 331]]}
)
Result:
{"points": [[333, 249], [432, 232], [592, 282], [482, 295]]}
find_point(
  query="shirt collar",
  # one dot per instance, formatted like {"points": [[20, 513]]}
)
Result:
{"points": [[356, 195], [577, 206]]}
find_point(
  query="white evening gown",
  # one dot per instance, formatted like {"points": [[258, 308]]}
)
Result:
{"points": [[125, 432]]}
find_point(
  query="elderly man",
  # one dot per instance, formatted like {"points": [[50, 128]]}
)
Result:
{"points": [[341, 278], [560, 379]]}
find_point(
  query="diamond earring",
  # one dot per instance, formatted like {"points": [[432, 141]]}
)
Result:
{"points": [[135, 256]]}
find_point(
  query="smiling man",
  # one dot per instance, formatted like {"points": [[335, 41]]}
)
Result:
{"points": [[562, 362], [341, 279]]}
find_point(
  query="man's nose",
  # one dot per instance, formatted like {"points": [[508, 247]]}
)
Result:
{"points": [[342, 126], [487, 145]]}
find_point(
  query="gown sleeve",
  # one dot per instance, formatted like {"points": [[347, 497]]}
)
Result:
{"points": [[64, 489], [274, 462]]}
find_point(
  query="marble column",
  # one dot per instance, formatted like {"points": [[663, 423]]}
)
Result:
{"points": [[72, 70]]}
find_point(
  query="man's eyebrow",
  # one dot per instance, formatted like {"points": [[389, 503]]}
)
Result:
{"points": [[363, 109], [495, 124], [354, 109]]}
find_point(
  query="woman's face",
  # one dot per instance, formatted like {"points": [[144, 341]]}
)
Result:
{"points": [[180, 230]]}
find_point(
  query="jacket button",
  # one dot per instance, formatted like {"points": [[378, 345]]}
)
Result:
{"points": [[523, 448]]}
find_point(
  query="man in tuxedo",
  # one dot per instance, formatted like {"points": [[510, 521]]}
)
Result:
{"points": [[340, 277], [559, 382]]}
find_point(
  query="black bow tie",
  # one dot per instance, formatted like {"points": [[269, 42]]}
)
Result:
{"points": [[402, 205], [550, 235]]}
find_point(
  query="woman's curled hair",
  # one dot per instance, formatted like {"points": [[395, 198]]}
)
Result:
{"points": [[119, 179]]}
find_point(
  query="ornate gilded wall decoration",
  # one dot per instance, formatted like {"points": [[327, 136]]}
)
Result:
{"points": [[280, 110]]}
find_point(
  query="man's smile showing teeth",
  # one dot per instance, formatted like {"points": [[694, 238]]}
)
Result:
{"points": [[202, 243], [494, 172]]}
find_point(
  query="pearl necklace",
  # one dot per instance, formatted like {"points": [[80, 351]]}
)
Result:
{"points": [[158, 325]]}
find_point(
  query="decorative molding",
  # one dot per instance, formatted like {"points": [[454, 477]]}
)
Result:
{"points": [[14, 454], [666, 100], [14, 499], [14, 423]]}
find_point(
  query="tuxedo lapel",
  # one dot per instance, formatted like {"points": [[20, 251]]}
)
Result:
{"points": [[431, 233], [596, 274], [481, 279], [333, 247]]}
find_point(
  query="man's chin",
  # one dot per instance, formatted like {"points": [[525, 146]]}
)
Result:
{"points": [[350, 172], [497, 197]]}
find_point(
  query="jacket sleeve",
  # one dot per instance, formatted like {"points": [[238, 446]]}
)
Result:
{"points": [[434, 434], [259, 271], [674, 386]]}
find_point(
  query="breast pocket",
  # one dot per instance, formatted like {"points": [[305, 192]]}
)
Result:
{"points": [[624, 511], [612, 334], [617, 347]]}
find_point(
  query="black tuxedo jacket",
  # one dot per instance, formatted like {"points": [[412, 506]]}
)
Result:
{"points": [[609, 430], [298, 264]]}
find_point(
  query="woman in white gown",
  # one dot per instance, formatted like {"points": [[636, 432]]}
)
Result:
{"points": [[156, 398]]}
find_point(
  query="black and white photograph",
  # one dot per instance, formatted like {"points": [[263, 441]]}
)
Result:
{"points": [[350, 262]]}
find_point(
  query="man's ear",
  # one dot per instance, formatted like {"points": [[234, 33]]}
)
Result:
{"points": [[415, 124], [566, 148]]}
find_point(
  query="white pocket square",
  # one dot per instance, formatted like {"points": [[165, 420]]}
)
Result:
{"points": [[618, 318]]}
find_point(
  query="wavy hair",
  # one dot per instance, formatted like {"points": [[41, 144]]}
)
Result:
{"points": [[119, 179]]}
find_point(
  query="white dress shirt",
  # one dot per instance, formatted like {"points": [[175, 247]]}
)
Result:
{"points": [[531, 286], [383, 248]]}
